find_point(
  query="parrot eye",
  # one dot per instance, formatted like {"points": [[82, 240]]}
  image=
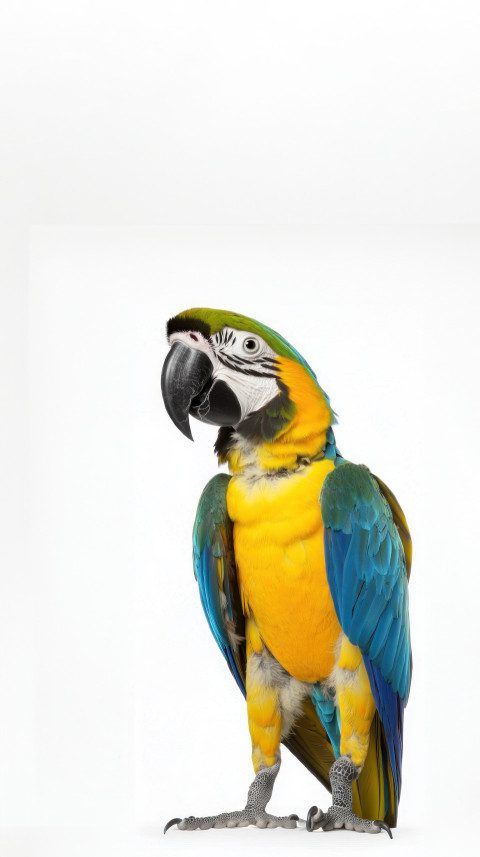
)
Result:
{"points": [[251, 345]]}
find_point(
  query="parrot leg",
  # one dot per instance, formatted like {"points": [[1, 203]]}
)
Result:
{"points": [[273, 701], [254, 812], [357, 709]]}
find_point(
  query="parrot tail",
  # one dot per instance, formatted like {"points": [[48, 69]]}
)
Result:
{"points": [[374, 794]]}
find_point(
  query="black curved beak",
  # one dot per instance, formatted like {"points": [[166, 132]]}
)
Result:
{"points": [[186, 372]]}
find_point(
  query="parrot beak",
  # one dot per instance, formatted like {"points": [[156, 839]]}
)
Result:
{"points": [[185, 373], [188, 387]]}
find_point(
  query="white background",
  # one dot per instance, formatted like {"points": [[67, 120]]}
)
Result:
{"points": [[129, 133]]}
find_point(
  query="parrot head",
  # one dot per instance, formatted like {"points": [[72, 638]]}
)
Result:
{"points": [[231, 371]]}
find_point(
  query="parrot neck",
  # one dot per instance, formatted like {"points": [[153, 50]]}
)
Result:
{"points": [[305, 433]]}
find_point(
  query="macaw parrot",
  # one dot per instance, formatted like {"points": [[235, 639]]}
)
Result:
{"points": [[302, 560]]}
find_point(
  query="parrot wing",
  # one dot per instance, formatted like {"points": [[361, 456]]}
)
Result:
{"points": [[364, 537], [215, 571]]}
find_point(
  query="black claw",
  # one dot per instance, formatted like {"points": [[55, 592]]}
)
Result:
{"points": [[311, 812], [171, 823], [384, 827]]}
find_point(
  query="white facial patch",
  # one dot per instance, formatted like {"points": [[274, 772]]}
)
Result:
{"points": [[252, 393], [243, 360]]}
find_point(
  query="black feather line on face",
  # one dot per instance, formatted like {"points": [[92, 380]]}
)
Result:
{"points": [[267, 362], [234, 358], [257, 374], [238, 361], [227, 362], [181, 325], [247, 361], [243, 368]]}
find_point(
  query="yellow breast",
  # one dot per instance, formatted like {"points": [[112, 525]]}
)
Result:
{"points": [[278, 538]]}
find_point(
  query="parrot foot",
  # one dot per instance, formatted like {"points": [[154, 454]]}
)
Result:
{"points": [[242, 818], [254, 813], [337, 817], [340, 814]]}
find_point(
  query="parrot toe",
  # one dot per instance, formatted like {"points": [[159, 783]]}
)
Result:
{"points": [[338, 817]]}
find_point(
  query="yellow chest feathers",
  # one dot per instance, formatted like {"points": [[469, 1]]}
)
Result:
{"points": [[278, 539]]}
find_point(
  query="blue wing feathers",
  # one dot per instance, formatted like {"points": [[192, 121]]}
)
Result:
{"points": [[366, 617], [367, 577], [380, 637], [213, 545], [390, 649], [390, 708]]}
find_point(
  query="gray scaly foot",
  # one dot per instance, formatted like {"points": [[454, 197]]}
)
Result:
{"points": [[340, 815], [259, 794]]}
